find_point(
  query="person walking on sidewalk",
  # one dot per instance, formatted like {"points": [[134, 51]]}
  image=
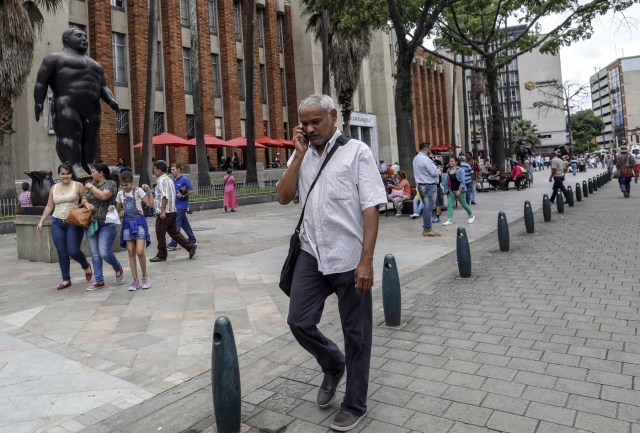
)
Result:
{"points": [[557, 176], [229, 201], [338, 238], [101, 193], [165, 206], [625, 164], [426, 175], [184, 189], [455, 189]]}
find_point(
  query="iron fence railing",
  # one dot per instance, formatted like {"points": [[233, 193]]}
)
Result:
{"points": [[8, 208], [216, 192]]}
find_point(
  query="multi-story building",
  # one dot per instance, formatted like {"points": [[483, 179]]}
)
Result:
{"points": [[374, 120], [611, 99], [117, 32], [519, 91]]}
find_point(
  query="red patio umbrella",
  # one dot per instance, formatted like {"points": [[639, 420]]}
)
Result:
{"points": [[268, 141], [167, 139], [286, 143], [211, 141], [241, 143]]}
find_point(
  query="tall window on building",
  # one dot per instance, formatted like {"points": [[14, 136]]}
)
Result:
{"points": [[119, 59], [184, 13], [215, 66], [213, 17], [237, 20], [159, 85], [218, 122], [158, 123], [122, 122], [260, 19], [186, 67], [191, 126], [283, 86], [280, 35], [263, 84], [118, 4], [241, 89]]}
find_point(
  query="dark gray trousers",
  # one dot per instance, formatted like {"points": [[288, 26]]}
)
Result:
{"points": [[309, 290]]}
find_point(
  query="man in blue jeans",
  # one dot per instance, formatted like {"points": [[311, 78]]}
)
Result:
{"points": [[183, 190], [427, 176]]}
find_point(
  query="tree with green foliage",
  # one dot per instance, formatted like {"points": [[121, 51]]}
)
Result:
{"points": [[566, 97], [479, 27], [585, 127], [20, 26], [525, 130], [344, 50], [412, 21]]}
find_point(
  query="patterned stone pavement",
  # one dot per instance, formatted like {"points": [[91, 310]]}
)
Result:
{"points": [[72, 359]]}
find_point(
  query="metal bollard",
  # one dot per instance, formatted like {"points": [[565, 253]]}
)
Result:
{"points": [[560, 202], [528, 217], [578, 192], [585, 190], [590, 184], [464, 253], [546, 208], [594, 182], [570, 196], [225, 378], [391, 297], [503, 231]]}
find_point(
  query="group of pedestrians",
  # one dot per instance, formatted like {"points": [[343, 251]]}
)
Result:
{"points": [[100, 196]]}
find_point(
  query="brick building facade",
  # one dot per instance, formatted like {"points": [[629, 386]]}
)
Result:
{"points": [[430, 119], [117, 32]]}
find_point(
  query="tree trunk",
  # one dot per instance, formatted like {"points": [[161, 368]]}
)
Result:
{"points": [[252, 172], [473, 123], [345, 100], [201, 150], [7, 179], [483, 125], [497, 121], [404, 110], [150, 94], [326, 77], [473, 147], [453, 113]]}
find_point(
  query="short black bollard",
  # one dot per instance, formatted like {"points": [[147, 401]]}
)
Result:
{"points": [[464, 253], [391, 298], [590, 184], [570, 196], [578, 192], [585, 190], [599, 181], [546, 208], [503, 231], [560, 202], [594, 182], [225, 378], [528, 217]]}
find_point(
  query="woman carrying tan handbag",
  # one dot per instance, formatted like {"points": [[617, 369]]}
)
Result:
{"points": [[67, 238]]}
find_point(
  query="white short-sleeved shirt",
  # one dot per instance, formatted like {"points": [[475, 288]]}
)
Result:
{"points": [[165, 188], [139, 196], [333, 221]]}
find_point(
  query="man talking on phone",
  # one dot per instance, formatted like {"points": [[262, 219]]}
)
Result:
{"points": [[338, 238]]}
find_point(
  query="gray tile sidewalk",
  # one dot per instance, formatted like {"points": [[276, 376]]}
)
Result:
{"points": [[462, 341]]}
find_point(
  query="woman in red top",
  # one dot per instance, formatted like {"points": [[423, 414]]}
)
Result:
{"points": [[400, 192], [516, 174]]}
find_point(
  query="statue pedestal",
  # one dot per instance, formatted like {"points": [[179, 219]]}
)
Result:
{"points": [[38, 246]]}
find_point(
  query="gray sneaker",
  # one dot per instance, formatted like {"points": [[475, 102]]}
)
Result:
{"points": [[172, 248]]}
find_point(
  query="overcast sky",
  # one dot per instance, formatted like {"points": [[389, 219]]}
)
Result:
{"points": [[611, 40]]}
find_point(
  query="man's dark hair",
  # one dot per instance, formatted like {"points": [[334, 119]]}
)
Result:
{"points": [[176, 165], [424, 145], [25, 186], [160, 165], [126, 176]]}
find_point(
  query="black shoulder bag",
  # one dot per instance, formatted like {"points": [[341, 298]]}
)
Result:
{"points": [[286, 275]]}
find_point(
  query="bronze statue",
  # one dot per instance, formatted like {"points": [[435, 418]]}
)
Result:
{"points": [[78, 84]]}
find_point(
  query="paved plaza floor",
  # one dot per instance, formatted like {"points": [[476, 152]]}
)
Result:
{"points": [[540, 339]]}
